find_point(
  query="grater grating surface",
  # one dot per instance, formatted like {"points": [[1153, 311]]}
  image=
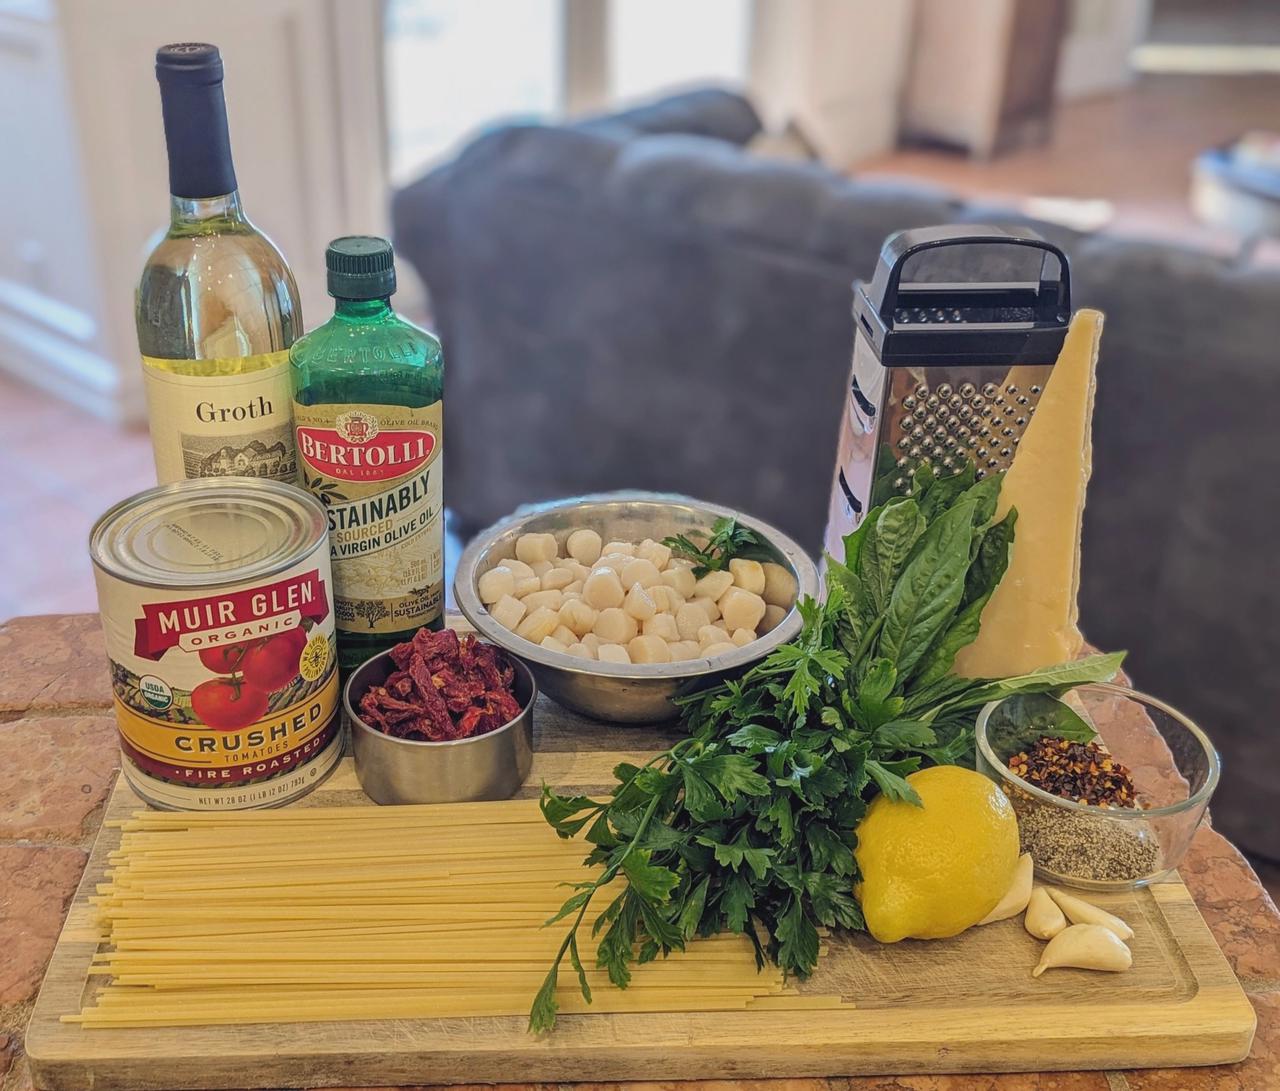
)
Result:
{"points": [[946, 417]]}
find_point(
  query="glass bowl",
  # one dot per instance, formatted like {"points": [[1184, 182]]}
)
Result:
{"points": [[1173, 765]]}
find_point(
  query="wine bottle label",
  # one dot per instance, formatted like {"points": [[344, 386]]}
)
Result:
{"points": [[230, 418], [378, 471]]}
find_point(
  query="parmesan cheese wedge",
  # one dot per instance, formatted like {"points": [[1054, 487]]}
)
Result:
{"points": [[1031, 619]]}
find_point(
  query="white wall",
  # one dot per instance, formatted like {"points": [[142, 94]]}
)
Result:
{"points": [[836, 68], [51, 304]]}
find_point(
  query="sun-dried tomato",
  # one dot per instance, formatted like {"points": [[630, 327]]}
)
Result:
{"points": [[444, 688]]}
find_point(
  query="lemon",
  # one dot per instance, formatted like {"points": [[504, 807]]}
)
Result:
{"points": [[315, 658], [931, 872]]}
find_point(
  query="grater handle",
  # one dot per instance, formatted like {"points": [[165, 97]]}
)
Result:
{"points": [[1054, 296]]}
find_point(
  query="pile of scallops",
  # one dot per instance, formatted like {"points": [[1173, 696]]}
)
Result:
{"points": [[629, 602]]}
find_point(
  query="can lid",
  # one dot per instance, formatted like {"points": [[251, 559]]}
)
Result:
{"points": [[210, 530]]}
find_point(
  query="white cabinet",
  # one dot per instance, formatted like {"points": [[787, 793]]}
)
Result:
{"points": [[85, 185]]}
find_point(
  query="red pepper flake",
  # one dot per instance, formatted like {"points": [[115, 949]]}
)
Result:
{"points": [[1084, 772], [444, 688]]}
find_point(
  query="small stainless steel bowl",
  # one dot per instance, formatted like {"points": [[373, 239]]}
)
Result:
{"points": [[622, 692], [391, 770]]}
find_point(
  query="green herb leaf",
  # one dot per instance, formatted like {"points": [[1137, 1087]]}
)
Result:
{"points": [[564, 813], [797, 940], [893, 784], [726, 540], [963, 631], [731, 775], [1018, 722], [928, 594], [1055, 679], [542, 1015], [754, 738], [739, 853], [649, 881], [885, 550], [904, 735], [693, 908]]}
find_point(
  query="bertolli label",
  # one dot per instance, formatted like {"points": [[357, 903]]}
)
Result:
{"points": [[230, 419], [378, 470]]}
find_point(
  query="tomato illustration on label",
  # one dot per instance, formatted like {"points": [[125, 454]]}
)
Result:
{"points": [[226, 704], [224, 659], [273, 663]]}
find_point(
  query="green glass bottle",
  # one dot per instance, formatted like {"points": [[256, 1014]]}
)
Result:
{"points": [[368, 419]]}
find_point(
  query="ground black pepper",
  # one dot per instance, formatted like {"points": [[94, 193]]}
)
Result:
{"points": [[1087, 846]]}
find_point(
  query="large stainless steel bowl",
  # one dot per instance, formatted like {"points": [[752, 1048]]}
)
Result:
{"points": [[622, 692]]}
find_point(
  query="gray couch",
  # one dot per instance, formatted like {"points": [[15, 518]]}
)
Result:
{"points": [[636, 301]]}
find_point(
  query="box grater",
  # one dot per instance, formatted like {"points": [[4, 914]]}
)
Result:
{"points": [[945, 371]]}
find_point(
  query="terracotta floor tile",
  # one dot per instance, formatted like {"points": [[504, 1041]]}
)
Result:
{"points": [[54, 772], [53, 663], [39, 882]]}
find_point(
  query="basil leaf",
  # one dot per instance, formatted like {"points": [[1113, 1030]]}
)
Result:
{"points": [[936, 665], [943, 492], [992, 559], [986, 497], [927, 595], [885, 550], [1093, 668], [1018, 722]]}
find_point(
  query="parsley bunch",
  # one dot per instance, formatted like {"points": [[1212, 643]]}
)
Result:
{"points": [[748, 824]]}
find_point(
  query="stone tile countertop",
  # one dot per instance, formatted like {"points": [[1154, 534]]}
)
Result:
{"points": [[58, 759]]}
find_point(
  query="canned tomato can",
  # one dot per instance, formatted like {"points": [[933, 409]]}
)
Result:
{"points": [[217, 604]]}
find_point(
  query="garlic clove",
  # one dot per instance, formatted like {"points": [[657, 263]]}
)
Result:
{"points": [[1085, 947], [1079, 911], [1019, 893], [1044, 919]]}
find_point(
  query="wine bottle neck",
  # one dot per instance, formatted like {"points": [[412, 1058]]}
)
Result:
{"points": [[196, 136], [224, 208]]}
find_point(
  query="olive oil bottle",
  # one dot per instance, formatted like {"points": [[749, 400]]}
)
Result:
{"points": [[368, 422], [217, 307]]}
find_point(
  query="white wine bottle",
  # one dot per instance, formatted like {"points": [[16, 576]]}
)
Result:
{"points": [[217, 307]]}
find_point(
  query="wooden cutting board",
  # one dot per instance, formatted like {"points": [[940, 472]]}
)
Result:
{"points": [[967, 1004]]}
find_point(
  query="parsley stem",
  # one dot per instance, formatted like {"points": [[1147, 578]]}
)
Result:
{"points": [[611, 871]]}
